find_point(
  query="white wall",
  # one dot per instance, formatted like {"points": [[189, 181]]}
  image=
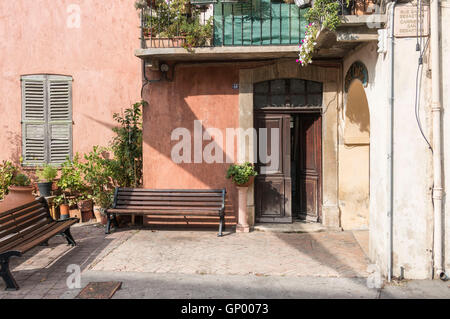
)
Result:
{"points": [[413, 210], [445, 58]]}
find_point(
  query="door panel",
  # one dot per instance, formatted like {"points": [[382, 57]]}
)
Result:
{"points": [[310, 162], [273, 184]]}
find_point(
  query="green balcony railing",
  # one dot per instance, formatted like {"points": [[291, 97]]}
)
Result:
{"points": [[258, 22]]}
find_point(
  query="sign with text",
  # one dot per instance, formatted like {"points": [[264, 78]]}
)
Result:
{"points": [[407, 21]]}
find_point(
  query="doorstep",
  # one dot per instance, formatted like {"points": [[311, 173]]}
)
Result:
{"points": [[295, 227]]}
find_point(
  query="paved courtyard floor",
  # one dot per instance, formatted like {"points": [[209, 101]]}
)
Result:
{"points": [[197, 264]]}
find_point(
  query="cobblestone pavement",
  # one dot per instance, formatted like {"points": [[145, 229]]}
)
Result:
{"points": [[333, 254], [185, 263]]}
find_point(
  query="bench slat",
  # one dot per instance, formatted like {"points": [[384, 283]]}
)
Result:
{"points": [[21, 207], [168, 203], [146, 190], [56, 228], [214, 195], [17, 221], [171, 198], [178, 212], [10, 243], [17, 213], [26, 224]]}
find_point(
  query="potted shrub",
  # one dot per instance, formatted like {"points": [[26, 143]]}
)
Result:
{"points": [[46, 177], [7, 172], [102, 201], [62, 203], [242, 174], [20, 192]]}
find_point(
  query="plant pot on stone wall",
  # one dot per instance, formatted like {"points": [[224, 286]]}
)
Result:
{"points": [[45, 189], [18, 195]]}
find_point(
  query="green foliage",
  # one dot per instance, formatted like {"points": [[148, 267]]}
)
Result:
{"points": [[98, 170], [7, 172], [126, 168], [47, 174], [325, 13], [241, 173], [20, 180], [71, 181], [178, 18]]}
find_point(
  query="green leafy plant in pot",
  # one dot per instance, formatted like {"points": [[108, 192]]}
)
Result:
{"points": [[46, 176], [242, 174], [20, 191], [63, 204]]}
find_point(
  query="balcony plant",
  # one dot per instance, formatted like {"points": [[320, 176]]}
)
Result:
{"points": [[324, 14], [176, 22], [242, 174], [46, 176]]}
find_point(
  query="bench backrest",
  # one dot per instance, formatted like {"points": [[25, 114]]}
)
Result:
{"points": [[23, 221], [202, 199]]}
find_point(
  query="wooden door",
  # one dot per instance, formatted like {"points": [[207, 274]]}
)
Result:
{"points": [[273, 184], [308, 157]]}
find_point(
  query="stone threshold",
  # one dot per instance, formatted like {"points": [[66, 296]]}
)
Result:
{"points": [[295, 227]]}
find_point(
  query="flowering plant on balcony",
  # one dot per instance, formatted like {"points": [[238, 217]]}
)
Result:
{"points": [[308, 44], [176, 18], [324, 14]]}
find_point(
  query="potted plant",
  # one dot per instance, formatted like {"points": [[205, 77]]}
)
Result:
{"points": [[102, 201], [242, 174], [19, 192], [62, 203], [7, 172], [46, 176]]}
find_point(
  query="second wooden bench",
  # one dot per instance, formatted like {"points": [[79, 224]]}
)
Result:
{"points": [[170, 202]]}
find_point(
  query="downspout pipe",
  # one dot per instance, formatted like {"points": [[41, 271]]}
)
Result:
{"points": [[436, 109], [390, 154]]}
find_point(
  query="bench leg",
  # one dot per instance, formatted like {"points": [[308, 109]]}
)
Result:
{"points": [[11, 284], [69, 237], [116, 223], [221, 226], [108, 224]]}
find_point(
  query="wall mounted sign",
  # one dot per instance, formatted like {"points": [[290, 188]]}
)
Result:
{"points": [[356, 71], [405, 21]]}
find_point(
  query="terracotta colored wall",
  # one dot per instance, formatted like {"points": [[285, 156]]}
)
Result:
{"points": [[99, 55], [198, 93]]}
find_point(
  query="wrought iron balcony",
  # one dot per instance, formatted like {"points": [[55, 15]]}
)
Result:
{"points": [[238, 29]]}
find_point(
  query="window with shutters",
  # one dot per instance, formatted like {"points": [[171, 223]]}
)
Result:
{"points": [[46, 119]]}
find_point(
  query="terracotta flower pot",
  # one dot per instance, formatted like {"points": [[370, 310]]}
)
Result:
{"points": [[85, 205], [18, 195], [64, 211], [250, 182], [98, 215]]}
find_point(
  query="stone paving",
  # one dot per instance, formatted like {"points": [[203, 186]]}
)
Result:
{"points": [[334, 254], [197, 264]]}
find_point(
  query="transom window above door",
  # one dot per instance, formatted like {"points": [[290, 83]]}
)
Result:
{"points": [[287, 93]]}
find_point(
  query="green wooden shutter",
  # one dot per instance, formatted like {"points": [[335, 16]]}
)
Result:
{"points": [[34, 119], [59, 115]]}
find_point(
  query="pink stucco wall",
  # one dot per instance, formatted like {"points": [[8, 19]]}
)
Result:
{"points": [[99, 56], [198, 92]]}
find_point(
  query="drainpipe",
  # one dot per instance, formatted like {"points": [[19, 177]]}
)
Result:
{"points": [[390, 154], [436, 109]]}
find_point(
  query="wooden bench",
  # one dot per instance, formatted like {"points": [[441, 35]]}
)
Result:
{"points": [[167, 202], [24, 228]]}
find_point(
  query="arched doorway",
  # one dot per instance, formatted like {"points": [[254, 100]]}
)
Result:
{"points": [[354, 158]]}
